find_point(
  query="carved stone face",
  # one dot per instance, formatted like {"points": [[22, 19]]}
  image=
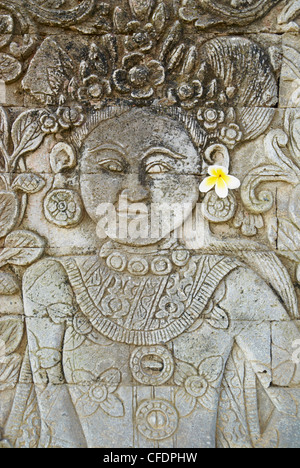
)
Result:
{"points": [[147, 161]]}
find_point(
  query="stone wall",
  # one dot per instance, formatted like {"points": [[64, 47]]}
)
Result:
{"points": [[149, 223]]}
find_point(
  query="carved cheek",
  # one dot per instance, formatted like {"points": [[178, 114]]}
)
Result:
{"points": [[97, 189], [174, 188]]}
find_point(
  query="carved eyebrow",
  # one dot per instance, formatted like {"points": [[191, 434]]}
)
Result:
{"points": [[164, 151], [108, 146]]}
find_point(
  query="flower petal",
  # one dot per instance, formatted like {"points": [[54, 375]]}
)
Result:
{"points": [[182, 372], [81, 376], [145, 93], [113, 406], [120, 80], [221, 188], [233, 182], [209, 399], [211, 368], [216, 171], [184, 402], [61, 216], [131, 60], [111, 378], [85, 406], [208, 184], [157, 72]]}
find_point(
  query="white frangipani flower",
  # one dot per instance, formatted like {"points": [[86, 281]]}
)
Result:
{"points": [[220, 180]]}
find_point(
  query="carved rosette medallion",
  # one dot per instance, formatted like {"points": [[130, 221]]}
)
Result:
{"points": [[157, 419], [152, 365]]}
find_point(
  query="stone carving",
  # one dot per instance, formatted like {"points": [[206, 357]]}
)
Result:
{"points": [[290, 12], [133, 307], [206, 14]]}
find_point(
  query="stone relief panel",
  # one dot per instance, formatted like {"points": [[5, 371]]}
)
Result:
{"points": [[149, 224]]}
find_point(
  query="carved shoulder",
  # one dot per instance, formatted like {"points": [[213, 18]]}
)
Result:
{"points": [[249, 298], [45, 284]]}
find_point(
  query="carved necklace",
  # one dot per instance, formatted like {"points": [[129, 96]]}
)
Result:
{"points": [[159, 263], [145, 309]]}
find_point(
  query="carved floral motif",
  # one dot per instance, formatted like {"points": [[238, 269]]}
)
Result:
{"points": [[100, 396], [197, 385], [206, 13]]}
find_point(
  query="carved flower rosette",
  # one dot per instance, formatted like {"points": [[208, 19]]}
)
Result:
{"points": [[197, 386]]}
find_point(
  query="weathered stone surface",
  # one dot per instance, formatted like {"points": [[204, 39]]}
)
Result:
{"points": [[149, 224]]}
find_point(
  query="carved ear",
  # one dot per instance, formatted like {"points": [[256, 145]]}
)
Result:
{"points": [[62, 158], [217, 155]]}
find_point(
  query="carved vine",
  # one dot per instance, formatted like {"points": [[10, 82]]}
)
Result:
{"points": [[282, 150]]}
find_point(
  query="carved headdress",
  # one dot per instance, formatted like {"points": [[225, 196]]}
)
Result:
{"points": [[147, 59]]}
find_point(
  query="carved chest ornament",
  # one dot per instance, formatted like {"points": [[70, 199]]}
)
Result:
{"points": [[150, 309], [157, 263], [152, 365]]}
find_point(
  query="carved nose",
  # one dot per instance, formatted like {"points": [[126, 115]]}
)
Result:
{"points": [[134, 191]]}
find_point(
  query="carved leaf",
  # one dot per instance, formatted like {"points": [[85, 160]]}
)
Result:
{"points": [[289, 12], [48, 357], [10, 68], [176, 57], [27, 133], [208, 400], [9, 371], [283, 401], [50, 62], [288, 239], [182, 372], [120, 20], [11, 332], [298, 273], [8, 284], [55, 79], [295, 135], [284, 373], [211, 368], [218, 319], [113, 406], [4, 131], [22, 248], [141, 8], [28, 183], [292, 125], [190, 61], [159, 17], [9, 211], [6, 29], [59, 312], [274, 141], [172, 38], [184, 402], [111, 379]]}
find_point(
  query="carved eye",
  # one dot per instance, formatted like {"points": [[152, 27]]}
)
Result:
{"points": [[158, 168], [112, 165]]}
